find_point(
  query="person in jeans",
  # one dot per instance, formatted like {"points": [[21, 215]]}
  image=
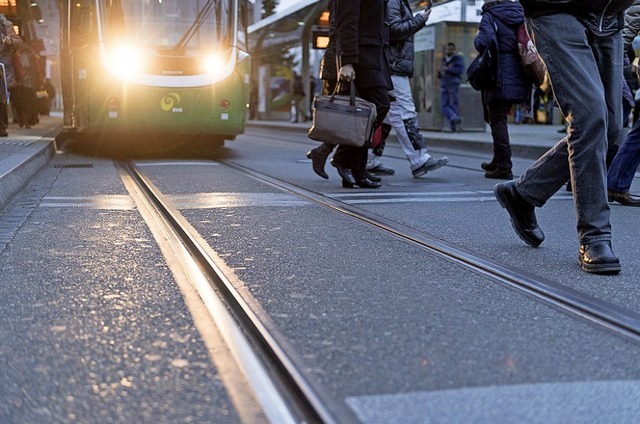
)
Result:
{"points": [[450, 74], [501, 20], [402, 116], [625, 163], [580, 41]]}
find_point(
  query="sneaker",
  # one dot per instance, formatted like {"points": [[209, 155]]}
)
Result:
{"points": [[430, 165], [381, 170]]}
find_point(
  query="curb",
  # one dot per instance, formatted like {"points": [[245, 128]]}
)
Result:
{"points": [[434, 139], [18, 168]]}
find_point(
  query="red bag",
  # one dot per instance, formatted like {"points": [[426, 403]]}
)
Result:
{"points": [[376, 137], [533, 65]]}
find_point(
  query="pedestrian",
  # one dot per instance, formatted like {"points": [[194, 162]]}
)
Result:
{"points": [[501, 20], [329, 77], [298, 98], [10, 41], [361, 39], [402, 116], [625, 163], [450, 74], [581, 44]]}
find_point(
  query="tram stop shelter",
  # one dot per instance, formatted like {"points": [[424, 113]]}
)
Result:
{"points": [[293, 39]]}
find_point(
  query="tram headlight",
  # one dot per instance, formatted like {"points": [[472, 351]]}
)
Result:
{"points": [[125, 61], [213, 64]]}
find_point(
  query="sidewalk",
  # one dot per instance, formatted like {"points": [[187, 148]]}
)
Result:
{"points": [[24, 152], [527, 141]]}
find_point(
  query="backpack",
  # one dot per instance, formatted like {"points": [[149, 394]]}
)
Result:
{"points": [[533, 65]]}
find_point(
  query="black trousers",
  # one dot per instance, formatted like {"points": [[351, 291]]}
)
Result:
{"points": [[497, 112], [355, 158]]}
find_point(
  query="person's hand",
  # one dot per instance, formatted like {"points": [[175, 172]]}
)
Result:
{"points": [[426, 14], [347, 72]]}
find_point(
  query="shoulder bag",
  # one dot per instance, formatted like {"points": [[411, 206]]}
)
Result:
{"points": [[533, 65], [481, 73], [342, 119]]}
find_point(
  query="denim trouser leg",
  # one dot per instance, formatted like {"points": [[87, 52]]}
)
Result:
{"points": [[449, 99], [586, 76], [402, 109], [625, 164]]}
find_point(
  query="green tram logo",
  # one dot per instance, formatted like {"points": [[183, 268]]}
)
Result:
{"points": [[171, 103]]}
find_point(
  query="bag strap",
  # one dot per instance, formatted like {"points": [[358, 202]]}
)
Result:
{"points": [[352, 92]]}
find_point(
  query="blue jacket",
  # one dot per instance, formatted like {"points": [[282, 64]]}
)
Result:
{"points": [[451, 70], [511, 83]]}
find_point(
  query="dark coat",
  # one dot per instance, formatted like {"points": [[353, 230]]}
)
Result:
{"points": [[362, 40], [603, 17], [328, 71], [402, 26], [511, 83]]}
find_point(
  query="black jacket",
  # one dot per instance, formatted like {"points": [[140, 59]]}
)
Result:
{"points": [[602, 17], [402, 26], [362, 40]]}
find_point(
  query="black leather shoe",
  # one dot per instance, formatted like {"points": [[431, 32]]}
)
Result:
{"points": [[344, 173], [522, 213], [499, 174], [598, 258], [381, 170], [626, 199], [365, 183], [372, 177], [489, 166], [317, 162]]}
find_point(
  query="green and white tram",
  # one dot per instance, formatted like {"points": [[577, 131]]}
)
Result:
{"points": [[162, 67]]}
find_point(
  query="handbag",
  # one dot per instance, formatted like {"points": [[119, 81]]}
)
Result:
{"points": [[346, 120], [481, 73], [533, 65]]}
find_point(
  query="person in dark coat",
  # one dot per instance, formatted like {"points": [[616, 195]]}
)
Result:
{"points": [[329, 77], [511, 86], [361, 41]]}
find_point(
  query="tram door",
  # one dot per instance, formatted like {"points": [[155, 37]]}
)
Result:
{"points": [[79, 33]]}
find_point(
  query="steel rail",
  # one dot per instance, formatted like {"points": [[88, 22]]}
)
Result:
{"points": [[599, 312], [303, 398]]}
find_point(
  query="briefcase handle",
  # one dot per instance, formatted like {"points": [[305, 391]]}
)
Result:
{"points": [[352, 92]]}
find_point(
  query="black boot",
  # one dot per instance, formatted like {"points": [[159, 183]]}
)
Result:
{"points": [[319, 157]]}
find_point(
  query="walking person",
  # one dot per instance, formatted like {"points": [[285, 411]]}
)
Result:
{"points": [[625, 163], [402, 115], [9, 42], [501, 20], [451, 70], [361, 38], [329, 77], [581, 44], [298, 98]]}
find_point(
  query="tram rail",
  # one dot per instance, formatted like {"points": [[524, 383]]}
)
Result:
{"points": [[299, 396], [602, 313], [307, 402]]}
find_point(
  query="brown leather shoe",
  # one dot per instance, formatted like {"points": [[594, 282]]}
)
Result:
{"points": [[625, 199]]}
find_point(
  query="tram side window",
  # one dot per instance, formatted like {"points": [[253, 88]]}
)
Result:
{"points": [[242, 25], [83, 22]]}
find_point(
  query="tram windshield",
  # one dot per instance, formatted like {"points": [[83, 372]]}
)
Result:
{"points": [[170, 26]]}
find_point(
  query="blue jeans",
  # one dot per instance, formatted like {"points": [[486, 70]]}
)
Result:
{"points": [[586, 76], [625, 164], [449, 102]]}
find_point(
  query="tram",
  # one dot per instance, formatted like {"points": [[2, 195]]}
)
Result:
{"points": [[164, 67]]}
